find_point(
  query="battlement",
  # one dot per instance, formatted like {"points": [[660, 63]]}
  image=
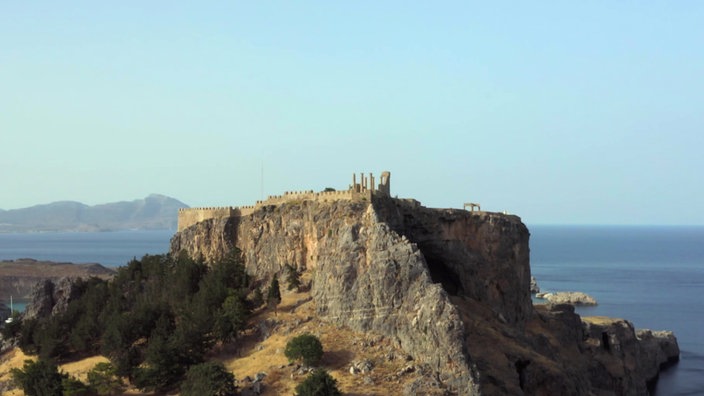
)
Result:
{"points": [[356, 191]]}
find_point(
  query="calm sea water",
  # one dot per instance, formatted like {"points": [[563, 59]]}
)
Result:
{"points": [[652, 276], [111, 249]]}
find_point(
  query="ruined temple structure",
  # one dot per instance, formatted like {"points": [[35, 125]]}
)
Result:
{"points": [[360, 189]]}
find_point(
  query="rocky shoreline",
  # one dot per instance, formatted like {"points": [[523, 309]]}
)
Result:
{"points": [[562, 297], [18, 277], [650, 351]]}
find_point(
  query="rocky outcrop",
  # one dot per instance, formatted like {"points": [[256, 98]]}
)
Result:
{"points": [[51, 298], [451, 287], [573, 298], [660, 349], [626, 360]]}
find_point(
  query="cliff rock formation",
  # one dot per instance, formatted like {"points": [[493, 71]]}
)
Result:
{"points": [[451, 287], [51, 297]]}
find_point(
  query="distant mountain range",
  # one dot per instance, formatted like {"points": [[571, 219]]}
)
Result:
{"points": [[154, 212]]}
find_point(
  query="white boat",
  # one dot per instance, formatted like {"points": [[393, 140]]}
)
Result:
{"points": [[9, 320]]}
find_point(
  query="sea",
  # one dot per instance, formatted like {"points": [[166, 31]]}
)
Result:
{"points": [[111, 249], [652, 276]]}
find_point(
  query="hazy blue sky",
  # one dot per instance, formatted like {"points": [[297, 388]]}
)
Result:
{"points": [[560, 111]]}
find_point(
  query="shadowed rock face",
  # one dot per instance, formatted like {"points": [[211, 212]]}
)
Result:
{"points": [[480, 255], [451, 287], [51, 297]]}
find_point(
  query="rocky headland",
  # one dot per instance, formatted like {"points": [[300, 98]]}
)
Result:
{"points": [[19, 277], [449, 287]]}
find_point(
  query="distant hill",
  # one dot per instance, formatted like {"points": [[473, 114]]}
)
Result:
{"points": [[154, 212]]}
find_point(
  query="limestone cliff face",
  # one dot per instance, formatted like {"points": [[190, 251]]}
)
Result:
{"points": [[451, 287], [484, 256], [365, 275]]}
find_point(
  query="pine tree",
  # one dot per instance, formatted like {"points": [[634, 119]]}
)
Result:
{"points": [[273, 295], [293, 277], [319, 383]]}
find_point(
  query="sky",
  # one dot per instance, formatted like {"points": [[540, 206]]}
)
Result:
{"points": [[559, 112]]}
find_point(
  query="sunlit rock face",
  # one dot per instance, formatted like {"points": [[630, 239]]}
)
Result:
{"points": [[451, 287]]}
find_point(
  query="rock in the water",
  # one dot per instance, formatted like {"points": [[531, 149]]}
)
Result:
{"points": [[574, 298]]}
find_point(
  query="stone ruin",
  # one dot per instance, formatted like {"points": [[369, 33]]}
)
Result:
{"points": [[364, 188]]}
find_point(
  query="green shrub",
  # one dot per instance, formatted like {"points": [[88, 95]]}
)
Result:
{"points": [[306, 347], [319, 383], [210, 378], [103, 378], [293, 277], [73, 387]]}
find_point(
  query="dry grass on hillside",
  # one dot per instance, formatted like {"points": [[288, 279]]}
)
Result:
{"points": [[296, 315], [261, 349], [600, 320], [11, 359]]}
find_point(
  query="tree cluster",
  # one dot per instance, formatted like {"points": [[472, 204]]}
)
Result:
{"points": [[156, 319]]}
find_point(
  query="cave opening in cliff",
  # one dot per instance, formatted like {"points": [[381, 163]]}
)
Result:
{"points": [[605, 341], [521, 365], [440, 273]]}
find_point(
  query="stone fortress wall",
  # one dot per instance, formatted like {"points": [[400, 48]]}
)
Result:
{"points": [[364, 189]]}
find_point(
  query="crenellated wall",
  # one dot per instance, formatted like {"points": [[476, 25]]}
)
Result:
{"points": [[357, 191], [190, 216]]}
